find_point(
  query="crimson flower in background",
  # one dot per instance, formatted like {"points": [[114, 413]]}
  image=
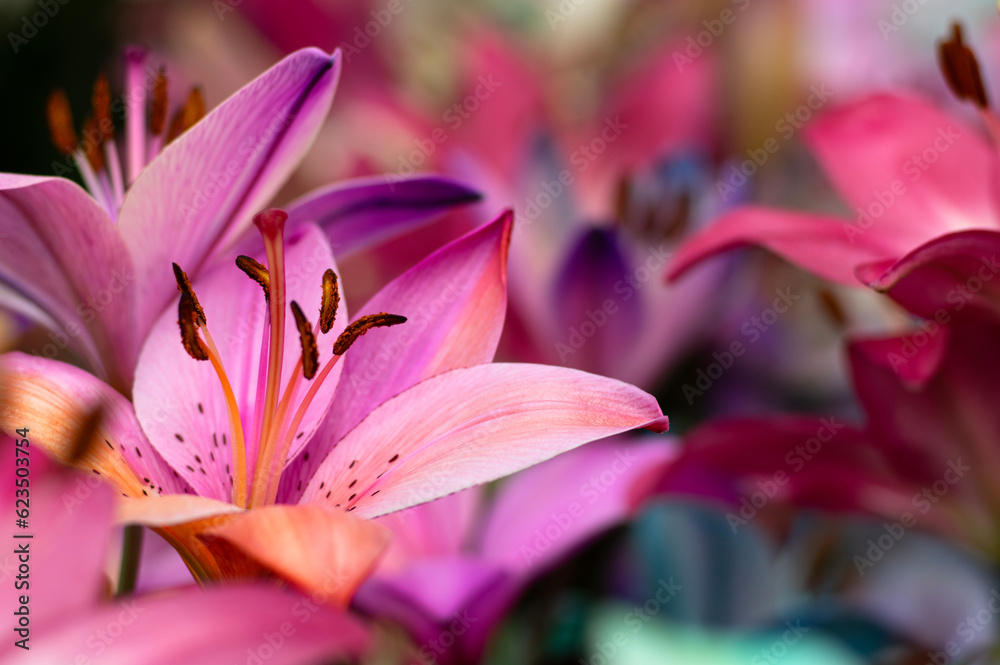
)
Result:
{"points": [[303, 444], [928, 455], [923, 190], [95, 268], [71, 617], [457, 565]]}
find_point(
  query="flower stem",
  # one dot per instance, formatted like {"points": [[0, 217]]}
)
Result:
{"points": [[131, 551]]}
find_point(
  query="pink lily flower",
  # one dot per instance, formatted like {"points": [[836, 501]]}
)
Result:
{"points": [[242, 457], [603, 197], [927, 456], [69, 617], [95, 268], [457, 565], [921, 188]]}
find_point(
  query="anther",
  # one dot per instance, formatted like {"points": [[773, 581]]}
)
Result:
{"points": [[961, 69], [363, 325], [93, 139], [187, 318], [86, 434], [101, 100], [189, 114], [184, 286], [158, 112], [310, 355], [331, 301], [257, 272], [61, 122]]}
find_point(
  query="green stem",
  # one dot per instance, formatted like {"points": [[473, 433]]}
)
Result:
{"points": [[131, 550]]}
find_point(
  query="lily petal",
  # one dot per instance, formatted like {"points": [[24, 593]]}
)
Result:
{"points": [[921, 157], [943, 276], [454, 302], [490, 421], [320, 550], [219, 625], [60, 251], [200, 193], [590, 486], [55, 400], [827, 246], [179, 400], [359, 213]]}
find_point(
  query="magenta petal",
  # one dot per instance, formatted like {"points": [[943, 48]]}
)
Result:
{"points": [[359, 213], [69, 514], [60, 252], [196, 627], [454, 301], [489, 421], [201, 192], [543, 513], [949, 274], [827, 246], [903, 156]]}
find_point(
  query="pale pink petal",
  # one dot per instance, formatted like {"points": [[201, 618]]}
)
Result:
{"points": [[55, 400], [61, 252], [180, 401], [454, 302], [440, 528], [488, 421], [203, 189], [170, 509]]}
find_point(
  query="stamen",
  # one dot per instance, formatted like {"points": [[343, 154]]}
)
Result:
{"points": [[256, 272], [61, 122], [158, 113], [331, 301], [85, 435], [101, 100], [184, 286], [363, 325], [187, 318], [961, 69], [235, 424], [310, 354], [189, 114], [92, 141]]}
